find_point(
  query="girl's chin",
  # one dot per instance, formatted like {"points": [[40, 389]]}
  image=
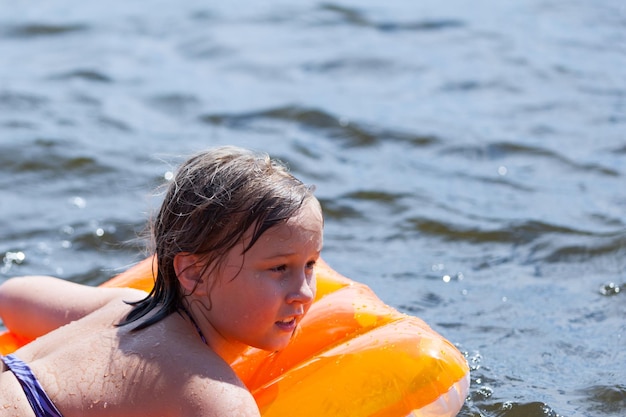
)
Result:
{"points": [[275, 344]]}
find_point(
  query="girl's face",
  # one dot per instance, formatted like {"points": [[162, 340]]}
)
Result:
{"points": [[261, 296]]}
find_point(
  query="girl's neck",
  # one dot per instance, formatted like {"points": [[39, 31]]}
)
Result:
{"points": [[227, 350]]}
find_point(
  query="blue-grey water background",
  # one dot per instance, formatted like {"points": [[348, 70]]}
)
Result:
{"points": [[470, 158]]}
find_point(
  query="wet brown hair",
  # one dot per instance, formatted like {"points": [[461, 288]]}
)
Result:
{"points": [[214, 198]]}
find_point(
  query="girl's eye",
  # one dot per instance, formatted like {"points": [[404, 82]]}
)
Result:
{"points": [[279, 268], [310, 265]]}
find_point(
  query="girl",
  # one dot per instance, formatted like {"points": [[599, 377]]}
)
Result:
{"points": [[236, 241]]}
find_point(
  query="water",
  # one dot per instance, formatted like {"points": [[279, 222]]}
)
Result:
{"points": [[471, 159]]}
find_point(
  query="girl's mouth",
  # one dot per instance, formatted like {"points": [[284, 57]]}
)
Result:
{"points": [[287, 325]]}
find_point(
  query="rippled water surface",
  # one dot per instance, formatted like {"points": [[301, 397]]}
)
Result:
{"points": [[470, 157]]}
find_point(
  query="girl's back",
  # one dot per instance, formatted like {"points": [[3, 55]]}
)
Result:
{"points": [[90, 366]]}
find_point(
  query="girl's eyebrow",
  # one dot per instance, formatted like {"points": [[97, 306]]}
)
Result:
{"points": [[281, 255], [290, 254]]}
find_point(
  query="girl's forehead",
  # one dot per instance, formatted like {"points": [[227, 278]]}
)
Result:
{"points": [[310, 207], [308, 217], [307, 223]]}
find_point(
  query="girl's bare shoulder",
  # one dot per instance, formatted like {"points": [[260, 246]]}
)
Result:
{"points": [[211, 396], [199, 382]]}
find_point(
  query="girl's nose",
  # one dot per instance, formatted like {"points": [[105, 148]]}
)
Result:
{"points": [[304, 288]]}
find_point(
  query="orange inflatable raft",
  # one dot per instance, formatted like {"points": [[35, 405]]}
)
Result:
{"points": [[353, 356]]}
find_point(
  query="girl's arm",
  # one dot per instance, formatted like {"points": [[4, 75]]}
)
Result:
{"points": [[32, 306]]}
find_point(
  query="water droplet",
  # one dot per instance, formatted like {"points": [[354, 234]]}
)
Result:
{"points": [[78, 202], [17, 257], [438, 267], [68, 230], [485, 392], [10, 259], [610, 289]]}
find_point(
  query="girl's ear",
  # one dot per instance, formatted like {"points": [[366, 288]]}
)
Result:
{"points": [[189, 269]]}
